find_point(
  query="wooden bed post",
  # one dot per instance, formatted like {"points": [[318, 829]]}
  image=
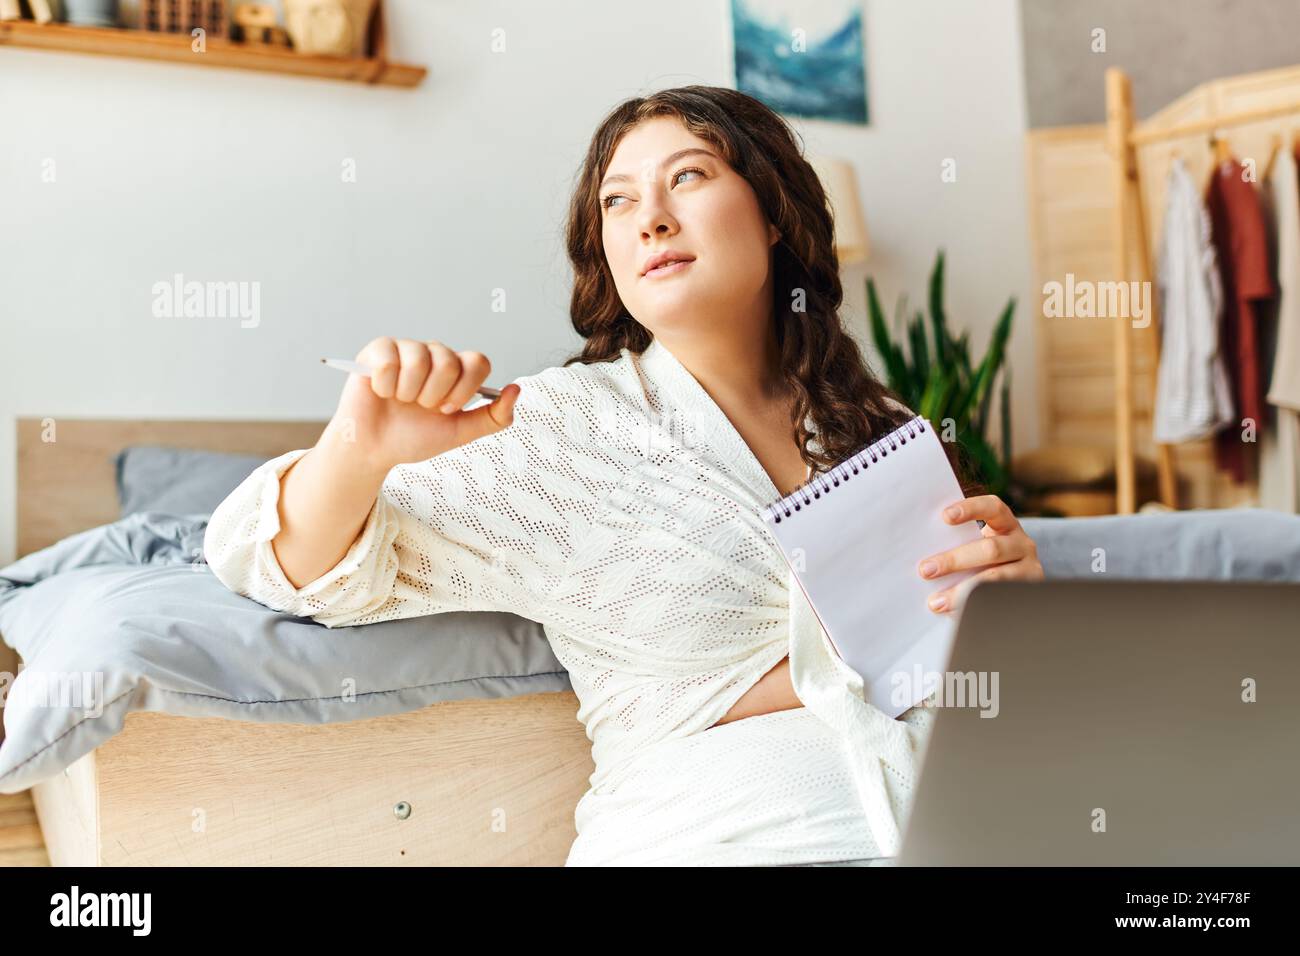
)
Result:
{"points": [[1119, 121], [1128, 220]]}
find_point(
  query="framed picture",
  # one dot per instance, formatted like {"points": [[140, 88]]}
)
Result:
{"points": [[801, 57]]}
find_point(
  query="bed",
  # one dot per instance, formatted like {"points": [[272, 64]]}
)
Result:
{"points": [[224, 738]]}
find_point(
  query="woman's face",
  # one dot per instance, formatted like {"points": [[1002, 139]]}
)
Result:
{"points": [[654, 200]]}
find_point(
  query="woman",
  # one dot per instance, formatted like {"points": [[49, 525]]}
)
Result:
{"points": [[619, 503]]}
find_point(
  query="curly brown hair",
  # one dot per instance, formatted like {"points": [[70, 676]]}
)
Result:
{"points": [[821, 364]]}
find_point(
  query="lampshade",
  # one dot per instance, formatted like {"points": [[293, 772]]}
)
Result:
{"points": [[841, 184]]}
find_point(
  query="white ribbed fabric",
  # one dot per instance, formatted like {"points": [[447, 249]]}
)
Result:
{"points": [[622, 511]]}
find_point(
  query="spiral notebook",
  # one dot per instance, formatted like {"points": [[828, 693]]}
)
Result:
{"points": [[854, 535]]}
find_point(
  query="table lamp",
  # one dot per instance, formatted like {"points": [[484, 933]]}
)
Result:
{"points": [[852, 244]]}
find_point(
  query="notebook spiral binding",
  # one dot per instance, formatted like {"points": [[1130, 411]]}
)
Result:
{"points": [[861, 460]]}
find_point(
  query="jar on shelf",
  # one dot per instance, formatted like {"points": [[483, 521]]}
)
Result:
{"points": [[335, 27], [91, 13]]}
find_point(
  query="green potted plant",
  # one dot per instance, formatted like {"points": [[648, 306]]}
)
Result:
{"points": [[936, 377]]}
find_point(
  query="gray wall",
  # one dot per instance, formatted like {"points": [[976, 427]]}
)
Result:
{"points": [[1167, 47]]}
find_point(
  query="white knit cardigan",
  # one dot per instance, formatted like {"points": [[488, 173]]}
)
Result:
{"points": [[622, 511]]}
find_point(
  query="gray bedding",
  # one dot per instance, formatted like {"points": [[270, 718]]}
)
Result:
{"points": [[128, 617]]}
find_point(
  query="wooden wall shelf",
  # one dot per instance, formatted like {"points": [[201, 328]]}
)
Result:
{"points": [[175, 48]]}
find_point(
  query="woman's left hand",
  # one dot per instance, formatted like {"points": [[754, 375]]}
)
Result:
{"points": [[1007, 551]]}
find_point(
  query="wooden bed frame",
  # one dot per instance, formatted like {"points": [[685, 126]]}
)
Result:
{"points": [[474, 782]]}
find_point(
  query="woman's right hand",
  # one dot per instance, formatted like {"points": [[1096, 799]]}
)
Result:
{"points": [[394, 416]]}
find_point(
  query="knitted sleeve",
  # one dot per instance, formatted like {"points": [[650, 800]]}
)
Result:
{"points": [[486, 526]]}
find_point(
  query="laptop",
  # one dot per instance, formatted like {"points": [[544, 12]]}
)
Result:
{"points": [[1130, 723]]}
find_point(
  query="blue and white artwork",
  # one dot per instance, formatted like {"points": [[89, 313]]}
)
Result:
{"points": [[802, 57]]}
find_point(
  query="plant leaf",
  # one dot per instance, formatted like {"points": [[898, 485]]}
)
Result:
{"points": [[993, 357], [920, 349], [1006, 422], [937, 315], [889, 353]]}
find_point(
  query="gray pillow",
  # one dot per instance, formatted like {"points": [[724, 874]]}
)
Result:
{"points": [[178, 480]]}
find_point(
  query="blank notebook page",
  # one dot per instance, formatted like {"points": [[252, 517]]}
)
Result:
{"points": [[854, 537]]}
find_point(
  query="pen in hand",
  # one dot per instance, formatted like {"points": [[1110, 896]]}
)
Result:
{"points": [[347, 365]]}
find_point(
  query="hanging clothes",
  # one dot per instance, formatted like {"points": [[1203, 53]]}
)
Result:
{"points": [[1279, 466], [1284, 386], [1241, 244], [1193, 399]]}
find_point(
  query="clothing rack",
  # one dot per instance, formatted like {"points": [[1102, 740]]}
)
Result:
{"points": [[1125, 138]]}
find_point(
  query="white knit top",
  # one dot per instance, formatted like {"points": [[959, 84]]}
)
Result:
{"points": [[622, 511]]}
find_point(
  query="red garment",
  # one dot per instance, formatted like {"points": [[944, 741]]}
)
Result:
{"points": [[1242, 249]]}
